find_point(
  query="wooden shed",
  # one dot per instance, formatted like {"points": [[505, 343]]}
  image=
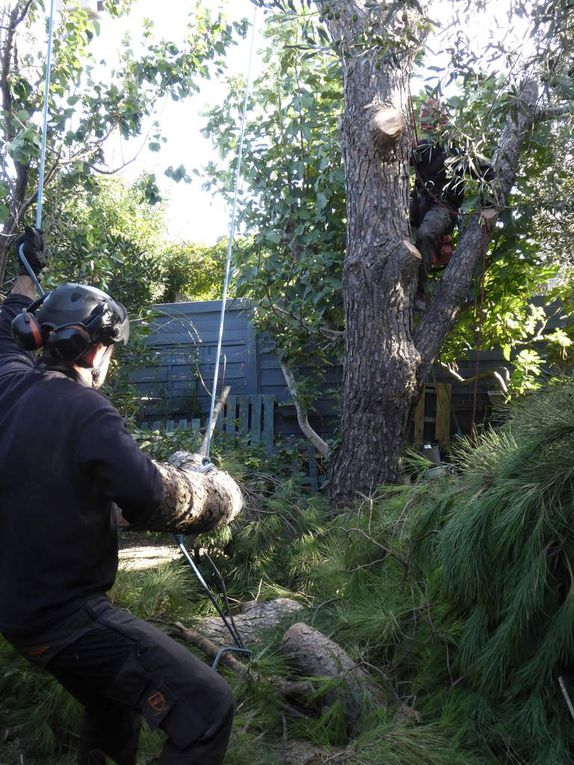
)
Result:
{"points": [[176, 380]]}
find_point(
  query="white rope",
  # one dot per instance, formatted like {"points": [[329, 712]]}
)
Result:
{"points": [[232, 223], [42, 165]]}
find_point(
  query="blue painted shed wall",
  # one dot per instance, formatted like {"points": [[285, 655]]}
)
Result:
{"points": [[183, 341]]}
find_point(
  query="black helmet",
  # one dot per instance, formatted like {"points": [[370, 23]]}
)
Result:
{"points": [[71, 318]]}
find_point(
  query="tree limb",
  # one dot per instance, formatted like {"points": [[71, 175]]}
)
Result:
{"points": [[302, 418], [501, 375], [454, 286], [211, 425]]}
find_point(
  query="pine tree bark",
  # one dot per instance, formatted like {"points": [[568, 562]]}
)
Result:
{"points": [[316, 655], [254, 620], [194, 501], [380, 266]]}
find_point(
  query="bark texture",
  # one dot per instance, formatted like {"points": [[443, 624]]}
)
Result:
{"points": [[315, 655], [194, 501], [254, 620], [303, 753], [380, 266]]}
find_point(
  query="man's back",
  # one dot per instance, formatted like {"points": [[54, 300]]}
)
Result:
{"points": [[65, 456]]}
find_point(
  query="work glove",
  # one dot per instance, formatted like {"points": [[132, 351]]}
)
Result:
{"points": [[34, 249]]}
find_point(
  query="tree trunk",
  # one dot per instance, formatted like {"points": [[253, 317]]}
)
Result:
{"points": [[386, 362], [380, 267]]}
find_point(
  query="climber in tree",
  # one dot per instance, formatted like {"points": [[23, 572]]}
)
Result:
{"points": [[438, 191]]}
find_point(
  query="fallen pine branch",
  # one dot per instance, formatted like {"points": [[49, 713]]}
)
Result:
{"points": [[255, 619], [295, 689]]}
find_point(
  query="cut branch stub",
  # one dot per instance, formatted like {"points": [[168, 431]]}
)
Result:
{"points": [[315, 655], [387, 127]]}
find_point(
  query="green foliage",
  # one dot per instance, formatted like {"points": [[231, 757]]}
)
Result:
{"points": [[36, 702], [111, 237], [88, 102], [155, 593], [514, 302], [499, 543], [193, 271], [291, 265]]}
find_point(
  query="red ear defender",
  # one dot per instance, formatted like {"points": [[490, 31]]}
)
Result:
{"points": [[27, 331]]}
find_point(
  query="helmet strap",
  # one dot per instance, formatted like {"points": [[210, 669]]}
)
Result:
{"points": [[96, 372]]}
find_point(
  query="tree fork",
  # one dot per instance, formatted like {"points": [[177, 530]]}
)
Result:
{"points": [[386, 360]]}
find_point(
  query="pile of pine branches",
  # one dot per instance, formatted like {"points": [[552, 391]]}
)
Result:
{"points": [[496, 545]]}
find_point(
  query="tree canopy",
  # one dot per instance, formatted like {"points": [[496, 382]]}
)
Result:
{"points": [[89, 99], [510, 104]]}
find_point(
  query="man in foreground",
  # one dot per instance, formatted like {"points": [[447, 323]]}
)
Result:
{"points": [[66, 462]]}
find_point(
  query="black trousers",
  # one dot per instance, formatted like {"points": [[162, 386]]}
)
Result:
{"points": [[437, 221], [120, 669]]}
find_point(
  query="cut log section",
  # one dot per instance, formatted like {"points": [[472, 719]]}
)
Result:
{"points": [[254, 620], [194, 500], [315, 655]]}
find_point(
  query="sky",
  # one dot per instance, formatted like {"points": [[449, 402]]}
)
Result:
{"points": [[192, 213]]}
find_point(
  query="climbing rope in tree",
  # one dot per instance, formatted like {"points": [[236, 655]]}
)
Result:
{"points": [[44, 141], [231, 234]]}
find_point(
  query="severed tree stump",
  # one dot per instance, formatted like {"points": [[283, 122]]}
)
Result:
{"points": [[314, 654]]}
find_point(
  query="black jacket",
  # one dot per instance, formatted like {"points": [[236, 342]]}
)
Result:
{"points": [[65, 457], [434, 184]]}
